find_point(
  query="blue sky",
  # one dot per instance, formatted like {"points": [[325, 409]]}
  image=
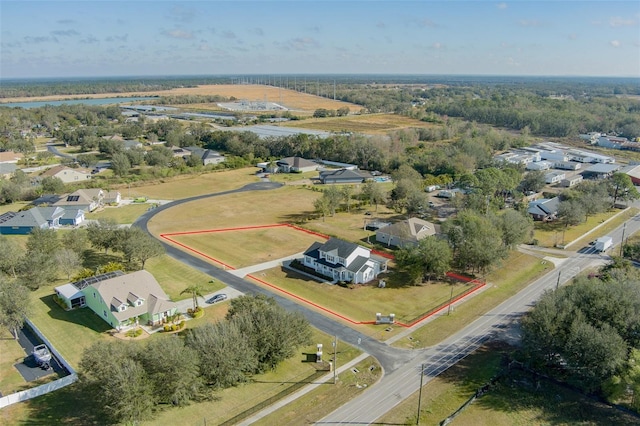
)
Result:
{"points": [[113, 38]]}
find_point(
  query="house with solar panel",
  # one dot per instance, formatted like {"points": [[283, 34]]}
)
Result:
{"points": [[121, 300], [340, 260], [23, 222]]}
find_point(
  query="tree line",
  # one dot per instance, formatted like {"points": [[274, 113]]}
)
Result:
{"points": [[130, 382], [586, 334]]}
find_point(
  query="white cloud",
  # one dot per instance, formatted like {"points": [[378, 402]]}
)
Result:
{"points": [[617, 21], [437, 45], [179, 34], [501, 6], [615, 43]]}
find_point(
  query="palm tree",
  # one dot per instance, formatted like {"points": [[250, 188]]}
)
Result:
{"points": [[196, 291]]}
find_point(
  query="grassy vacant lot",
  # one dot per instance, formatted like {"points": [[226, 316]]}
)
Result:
{"points": [[368, 123], [513, 275], [323, 400], [13, 207], [185, 186], [123, 214], [284, 205], [363, 301], [174, 276], [549, 234], [10, 353], [249, 247], [516, 399]]}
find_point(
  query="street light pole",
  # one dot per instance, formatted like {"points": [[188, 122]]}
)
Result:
{"points": [[420, 393], [558, 282], [335, 358], [624, 228], [450, 299]]}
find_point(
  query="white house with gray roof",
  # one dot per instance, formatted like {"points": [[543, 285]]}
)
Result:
{"points": [[340, 260]]}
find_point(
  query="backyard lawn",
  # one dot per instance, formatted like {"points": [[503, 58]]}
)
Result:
{"points": [[124, 214], [69, 331], [10, 353]]}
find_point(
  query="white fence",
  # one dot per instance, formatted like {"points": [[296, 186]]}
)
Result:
{"points": [[48, 387]]}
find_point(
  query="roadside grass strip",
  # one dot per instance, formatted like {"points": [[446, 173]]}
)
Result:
{"points": [[171, 237]]}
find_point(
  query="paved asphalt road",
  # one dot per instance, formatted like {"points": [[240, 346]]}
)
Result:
{"points": [[390, 358], [401, 383], [402, 367]]}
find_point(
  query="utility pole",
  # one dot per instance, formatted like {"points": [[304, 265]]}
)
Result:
{"points": [[335, 358], [624, 228], [558, 282], [450, 299], [420, 393]]}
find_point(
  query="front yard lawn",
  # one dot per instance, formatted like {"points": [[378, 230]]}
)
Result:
{"points": [[362, 302], [174, 276]]}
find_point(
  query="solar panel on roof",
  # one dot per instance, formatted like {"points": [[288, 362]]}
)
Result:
{"points": [[73, 198]]}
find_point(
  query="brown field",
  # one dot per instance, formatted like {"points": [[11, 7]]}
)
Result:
{"points": [[368, 123], [281, 205], [240, 248], [253, 92]]}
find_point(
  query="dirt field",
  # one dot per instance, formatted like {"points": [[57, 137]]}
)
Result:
{"points": [[367, 123], [253, 92]]}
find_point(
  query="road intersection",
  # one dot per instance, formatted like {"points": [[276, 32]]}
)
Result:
{"points": [[402, 367]]}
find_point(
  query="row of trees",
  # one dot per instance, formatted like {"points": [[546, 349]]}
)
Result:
{"points": [[49, 253], [129, 382], [471, 241], [587, 334]]}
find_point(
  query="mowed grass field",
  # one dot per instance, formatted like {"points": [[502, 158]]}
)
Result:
{"points": [[366, 123], [240, 248], [362, 302], [253, 92], [191, 185], [283, 205]]}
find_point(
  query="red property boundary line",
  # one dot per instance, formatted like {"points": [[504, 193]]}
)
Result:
{"points": [[478, 284]]}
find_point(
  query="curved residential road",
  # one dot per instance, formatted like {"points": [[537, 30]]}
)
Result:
{"points": [[52, 149], [390, 358], [403, 367]]}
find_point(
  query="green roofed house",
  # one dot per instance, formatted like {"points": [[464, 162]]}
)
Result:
{"points": [[121, 300]]}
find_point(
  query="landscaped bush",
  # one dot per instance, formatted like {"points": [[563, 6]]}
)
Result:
{"points": [[134, 332], [60, 302], [196, 313]]}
